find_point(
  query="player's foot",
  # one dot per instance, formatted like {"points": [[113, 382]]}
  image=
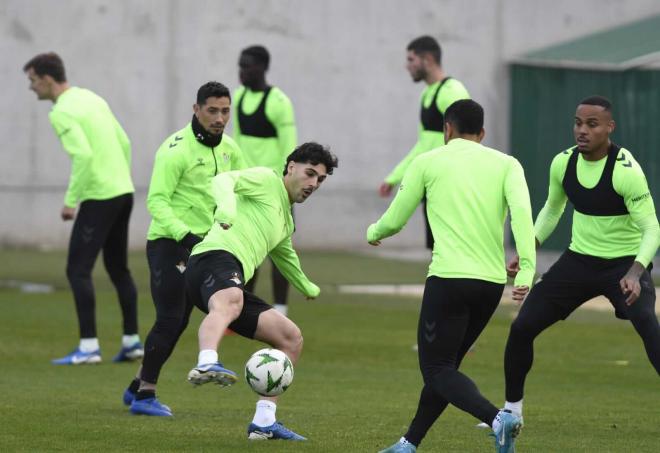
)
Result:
{"points": [[507, 432], [150, 406], [212, 372], [77, 357], [128, 397], [134, 352], [486, 425], [402, 446], [273, 432]]}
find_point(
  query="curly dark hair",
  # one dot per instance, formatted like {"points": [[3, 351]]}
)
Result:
{"points": [[313, 153]]}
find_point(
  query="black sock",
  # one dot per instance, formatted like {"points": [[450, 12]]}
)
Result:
{"points": [[134, 385], [145, 394]]}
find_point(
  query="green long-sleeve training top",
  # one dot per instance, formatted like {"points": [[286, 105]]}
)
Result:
{"points": [[256, 205], [635, 234], [469, 189], [99, 148], [180, 198]]}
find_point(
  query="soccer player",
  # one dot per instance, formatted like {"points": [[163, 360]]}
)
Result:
{"points": [[181, 206], [615, 235], [265, 129], [100, 187], [253, 219], [424, 62], [469, 188]]}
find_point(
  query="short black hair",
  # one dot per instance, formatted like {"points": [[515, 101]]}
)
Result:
{"points": [[466, 115], [601, 101], [426, 44], [259, 53], [48, 63], [313, 153], [212, 90]]}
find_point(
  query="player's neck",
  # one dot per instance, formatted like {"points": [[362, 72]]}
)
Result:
{"points": [[434, 75], [58, 89], [259, 85], [598, 154]]}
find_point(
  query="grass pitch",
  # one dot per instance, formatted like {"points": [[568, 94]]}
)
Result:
{"points": [[355, 388]]}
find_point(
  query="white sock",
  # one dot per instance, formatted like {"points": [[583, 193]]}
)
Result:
{"points": [[207, 356], [89, 344], [129, 340], [515, 408], [265, 413], [282, 308], [496, 423]]}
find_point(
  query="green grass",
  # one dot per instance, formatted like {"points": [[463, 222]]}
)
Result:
{"points": [[355, 389]]}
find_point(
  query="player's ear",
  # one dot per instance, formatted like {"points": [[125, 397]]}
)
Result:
{"points": [[611, 126], [481, 135], [448, 131]]}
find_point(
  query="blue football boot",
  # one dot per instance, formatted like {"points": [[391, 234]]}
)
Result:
{"points": [[77, 357], [507, 432], [402, 446], [130, 354], [212, 372], [276, 431], [150, 406]]}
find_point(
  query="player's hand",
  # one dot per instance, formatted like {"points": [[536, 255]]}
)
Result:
{"points": [[385, 189], [513, 266], [630, 285], [225, 226], [68, 213], [374, 243], [519, 293]]}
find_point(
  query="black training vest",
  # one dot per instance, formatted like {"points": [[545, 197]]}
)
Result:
{"points": [[602, 199], [256, 125], [432, 118]]}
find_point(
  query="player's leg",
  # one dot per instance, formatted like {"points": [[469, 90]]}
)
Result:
{"points": [[566, 286], [214, 281], [115, 258], [641, 313], [430, 405], [88, 235], [445, 318], [278, 331], [166, 260], [453, 314]]}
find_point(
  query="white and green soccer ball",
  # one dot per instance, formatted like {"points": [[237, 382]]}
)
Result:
{"points": [[269, 372]]}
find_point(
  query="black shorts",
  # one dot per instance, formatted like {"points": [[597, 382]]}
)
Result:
{"points": [[576, 278], [210, 272]]}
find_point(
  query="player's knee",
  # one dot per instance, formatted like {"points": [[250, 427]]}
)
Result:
{"points": [[520, 329], [293, 342], [75, 273], [170, 325], [117, 274]]}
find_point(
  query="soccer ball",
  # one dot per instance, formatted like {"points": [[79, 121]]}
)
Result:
{"points": [[269, 372]]}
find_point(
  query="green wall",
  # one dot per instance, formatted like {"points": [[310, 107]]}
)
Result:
{"points": [[543, 102]]}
